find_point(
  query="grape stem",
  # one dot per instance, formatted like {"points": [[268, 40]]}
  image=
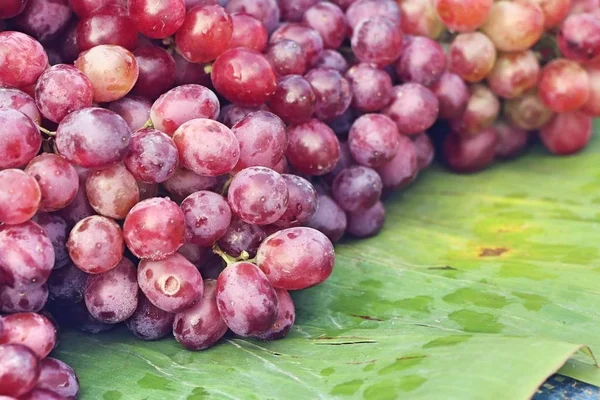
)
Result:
{"points": [[244, 256], [148, 124], [208, 69], [46, 131], [226, 186]]}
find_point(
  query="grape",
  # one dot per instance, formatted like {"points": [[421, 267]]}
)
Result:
{"points": [[364, 9], [471, 56], [154, 228], [373, 140], [244, 77], [207, 216], [112, 296], [246, 300], [452, 94], [377, 40], [96, 244], [15, 300], [184, 182], [332, 59], [287, 57], [23, 59], [329, 21], [563, 85], [258, 195], [112, 192], [231, 114], [19, 196], [346, 160], [57, 180], [470, 154], [554, 11], [583, 6], [133, 109], [26, 255], [173, 284], [188, 73], [205, 33], [262, 140], [302, 203], [313, 148], [147, 190], [216, 154], [266, 11], [309, 40], [419, 18], [157, 72], [12, 8], [248, 32], [41, 394], [414, 108], [149, 322], [482, 110], [20, 101], [241, 236], [152, 157], [343, 4], [282, 166], [403, 168], [371, 87], [579, 37], [68, 47], [294, 99], [514, 25], [422, 61], [107, 27], [85, 8], [514, 74], [20, 139], [157, 19], [527, 112], [511, 140], [196, 254], [56, 228], [78, 209], [67, 284], [463, 15], [111, 69], [296, 258], [286, 316], [425, 151], [293, 10], [19, 370], [93, 137], [357, 188], [62, 89], [183, 104], [329, 218], [29, 329], [368, 222], [44, 19], [592, 105], [567, 133], [201, 326], [56, 376]]}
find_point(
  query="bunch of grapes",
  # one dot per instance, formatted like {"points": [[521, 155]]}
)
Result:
{"points": [[180, 166]]}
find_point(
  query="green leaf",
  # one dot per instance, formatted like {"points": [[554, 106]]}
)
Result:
{"points": [[480, 286]]}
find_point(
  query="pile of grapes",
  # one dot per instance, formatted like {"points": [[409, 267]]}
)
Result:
{"points": [[180, 166]]}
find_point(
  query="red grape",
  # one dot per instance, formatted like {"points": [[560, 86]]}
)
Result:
{"points": [[241, 236], [246, 300], [20, 139], [567, 133], [112, 191], [154, 228], [201, 326], [93, 137], [248, 32], [514, 25], [149, 322], [403, 168], [313, 147], [244, 77], [452, 94], [419, 18], [564, 85], [152, 157], [309, 40], [17, 300], [371, 87], [111, 69], [373, 140], [296, 258], [367, 223], [157, 71], [109, 27], [205, 33], [482, 110], [329, 21], [184, 182], [56, 228], [172, 284], [133, 109], [231, 114], [19, 370], [147, 190], [527, 112], [555, 11], [294, 99], [463, 15], [471, 56], [470, 154], [20, 101], [287, 57], [19, 196], [30, 329], [12, 8], [302, 202], [425, 151], [286, 316], [157, 19], [364, 9], [292, 10], [332, 59], [79, 208], [414, 108], [57, 179], [44, 19], [183, 104], [583, 6], [258, 195], [592, 105], [514, 74], [266, 11], [96, 244], [329, 218], [357, 188], [422, 61], [23, 59], [511, 140], [346, 160], [112, 296], [579, 37], [217, 153], [85, 8], [187, 72], [68, 47], [377, 40], [207, 216], [56, 376], [66, 285]]}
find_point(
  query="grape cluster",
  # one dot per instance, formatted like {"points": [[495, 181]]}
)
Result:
{"points": [[181, 165]]}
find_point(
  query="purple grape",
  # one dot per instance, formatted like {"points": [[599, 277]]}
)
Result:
{"points": [[57, 230], [346, 160], [363, 9], [207, 216], [470, 154], [377, 40], [424, 150], [329, 20], [313, 148], [402, 169], [332, 59], [294, 100], [511, 140], [19, 371], [332, 92], [20, 101], [57, 179], [67, 284], [422, 61], [357, 188], [286, 316], [184, 182], [373, 140], [287, 57], [157, 71], [371, 87], [414, 108], [133, 109], [153, 156], [20, 196], [302, 202], [266, 11], [30, 329], [149, 322], [20, 139], [309, 40], [367, 222], [16, 300], [241, 236], [452, 94], [58, 377]]}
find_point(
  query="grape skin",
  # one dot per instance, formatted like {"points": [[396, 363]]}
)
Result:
{"points": [[20, 369], [294, 100], [112, 192], [371, 87], [403, 168], [184, 182], [470, 154], [527, 112], [57, 230], [207, 216], [567, 133], [20, 196], [302, 202], [149, 322], [23, 61], [248, 32], [514, 73], [313, 148], [286, 316], [157, 19], [20, 139], [367, 223], [134, 110], [511, 140], [452, 94], [309, 40], [373, 140], [357, 188], [422, 61], [57, 180], [563, 85], [414, 108], [329, 21], [266, 11], [17, 301], [332, 59], [463, 15], [58, 377], [329, 218], [67, 285], [156, 72], [20, 101], [241, 236], [482, 110], [287, 57], [107, 26], [153, 156], [471, 56], [33, 330], [12, 8], [377, 40]]}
